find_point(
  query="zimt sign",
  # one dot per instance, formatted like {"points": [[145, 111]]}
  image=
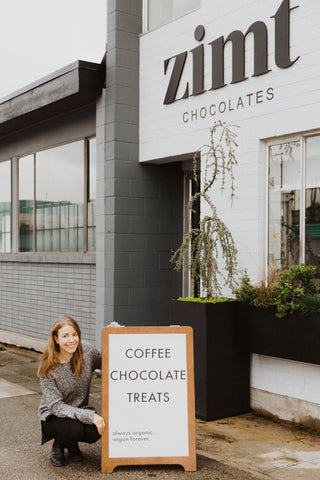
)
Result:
{"points": [[237, 38]]}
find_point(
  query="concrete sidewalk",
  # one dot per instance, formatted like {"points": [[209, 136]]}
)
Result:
{"points": [[246, 447]]}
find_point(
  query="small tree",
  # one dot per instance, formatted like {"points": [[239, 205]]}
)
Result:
{"points": [[202, 245]]}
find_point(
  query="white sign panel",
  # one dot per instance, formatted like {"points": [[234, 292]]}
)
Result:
{"points": [[148, 396]]}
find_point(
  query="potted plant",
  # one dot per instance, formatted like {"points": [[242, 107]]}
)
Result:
{"points": [[281, 316], [209, 252]]}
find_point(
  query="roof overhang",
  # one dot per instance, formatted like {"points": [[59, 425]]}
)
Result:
{"points": [[65, 90]]}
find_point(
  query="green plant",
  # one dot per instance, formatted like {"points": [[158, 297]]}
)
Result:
{"points": [[202, 246], [205, 300], [309, 303], [292, 285], [262, 295], [288, 290]]}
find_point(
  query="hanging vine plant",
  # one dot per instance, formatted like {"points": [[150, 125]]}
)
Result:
{"points": [[203, 245]]}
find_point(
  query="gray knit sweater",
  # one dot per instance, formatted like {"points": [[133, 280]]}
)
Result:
{"points": [[67, 395]]}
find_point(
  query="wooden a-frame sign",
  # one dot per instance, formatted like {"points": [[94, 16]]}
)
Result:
{"points": [[148, 397]]}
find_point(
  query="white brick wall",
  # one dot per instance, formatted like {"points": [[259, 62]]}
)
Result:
{"points": [[286, 389], [294, 108], [33, 295], [286, 377]]}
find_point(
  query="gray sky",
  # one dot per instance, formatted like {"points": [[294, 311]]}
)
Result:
{"points": [[38, 37]]}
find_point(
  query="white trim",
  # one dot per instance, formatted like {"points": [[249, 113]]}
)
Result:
{"points": [[267, 158], [302, 239], [145, 16], [186, 274], [280, 140]]}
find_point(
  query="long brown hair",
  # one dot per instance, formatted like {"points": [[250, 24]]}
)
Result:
{"points": [[50, 356]]}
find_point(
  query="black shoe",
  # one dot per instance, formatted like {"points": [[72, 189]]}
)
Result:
{"points": [[57, 455], [75, 453]]}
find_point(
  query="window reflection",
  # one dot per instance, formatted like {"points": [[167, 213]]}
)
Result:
{"points": [[91, 233], [5, 207], [284, 203], [26, 204], [59, 198], [312, 220], [52, 198]]}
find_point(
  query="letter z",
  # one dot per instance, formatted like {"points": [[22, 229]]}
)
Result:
{"points": [[175, 78]]}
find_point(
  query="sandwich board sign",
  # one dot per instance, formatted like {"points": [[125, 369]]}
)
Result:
{"points": [[148, 397]]}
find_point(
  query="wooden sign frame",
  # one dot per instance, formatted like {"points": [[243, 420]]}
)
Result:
{"points": [[188, 462]]}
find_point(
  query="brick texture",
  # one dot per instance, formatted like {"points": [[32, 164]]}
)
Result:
{"points": [[33, 295]]}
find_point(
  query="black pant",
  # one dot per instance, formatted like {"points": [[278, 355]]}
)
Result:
{"points": [[67, 431]]}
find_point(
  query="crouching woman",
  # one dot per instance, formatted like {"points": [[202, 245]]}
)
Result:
{"points": [[65, 375]]}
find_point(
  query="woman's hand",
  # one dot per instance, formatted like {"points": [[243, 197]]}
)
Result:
{"points": [[99, 423]]}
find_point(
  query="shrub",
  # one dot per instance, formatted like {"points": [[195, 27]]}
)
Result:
{"points": [[293, 285], [262, 295], [309, 303], [288, 290]]}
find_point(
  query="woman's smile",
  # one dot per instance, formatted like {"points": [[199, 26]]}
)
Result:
{"points": [[68, 341]]}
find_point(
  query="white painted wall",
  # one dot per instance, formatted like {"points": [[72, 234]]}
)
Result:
{"points": [[286, 377], [286, 389], [162, 130], [293, 109]]}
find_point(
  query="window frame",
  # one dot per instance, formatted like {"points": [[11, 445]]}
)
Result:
{"points": [[145, 17], [86, 164], [11, 203], [302, 138], [190, 220]]}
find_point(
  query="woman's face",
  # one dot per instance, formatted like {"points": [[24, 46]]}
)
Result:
{"points": [[68, 340]]}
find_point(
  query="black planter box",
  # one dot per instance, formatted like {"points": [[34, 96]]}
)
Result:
{"points": [[294, 337], [222, 369]]}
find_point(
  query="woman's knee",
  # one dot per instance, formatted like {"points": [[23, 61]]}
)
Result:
{"points": [[75, 429], [91, 434], [67, 431]]}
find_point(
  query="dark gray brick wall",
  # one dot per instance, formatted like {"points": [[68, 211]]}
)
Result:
{"points": [[35, 289], [140, 207]]}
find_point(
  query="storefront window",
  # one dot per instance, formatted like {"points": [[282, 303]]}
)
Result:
{"points": [[284, 203], [60, 198], [91, 233], [52, 199], [26, 203], [312, 219], [5, 207], [294, 202], [164, 11]]}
